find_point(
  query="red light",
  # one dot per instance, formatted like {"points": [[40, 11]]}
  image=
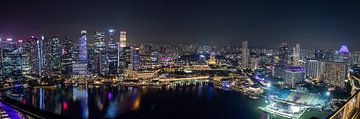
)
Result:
{"points": [[65, 105], [20, 41], [23, 101]]}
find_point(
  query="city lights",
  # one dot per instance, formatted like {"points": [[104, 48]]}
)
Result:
{"points": [[175, 59]]}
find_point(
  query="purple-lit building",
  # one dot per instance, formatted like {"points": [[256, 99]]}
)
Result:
{"points": [[294, 75], [80, 67], [343, 54]]}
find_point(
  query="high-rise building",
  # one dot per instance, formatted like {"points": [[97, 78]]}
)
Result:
{"points": [[11, 59], [66, 59], [343, 54], [112, 53], [37, 56], [122, 39], [283, 54], [244, 54], [80, 66], [55, 61], [135, 58], [100, 62], [294, 75], [356, 58], [334, 73], [312, 69], [25, 56], [296, 55]]}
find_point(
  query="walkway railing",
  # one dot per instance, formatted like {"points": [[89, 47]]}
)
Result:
{"points": [[349, 110]]}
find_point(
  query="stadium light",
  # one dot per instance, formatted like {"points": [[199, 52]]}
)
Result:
{"points": [[328, 93], [268, 85]]}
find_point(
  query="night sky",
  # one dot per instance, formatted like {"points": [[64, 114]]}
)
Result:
{"points": [[267, 23]]}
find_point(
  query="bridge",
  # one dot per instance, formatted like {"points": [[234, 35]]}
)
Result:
{"points": [[185, 79]]}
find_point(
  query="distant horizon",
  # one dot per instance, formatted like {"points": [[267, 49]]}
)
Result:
{"points": [[91, 33]]}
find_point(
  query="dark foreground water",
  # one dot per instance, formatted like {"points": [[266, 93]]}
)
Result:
{"points": [[191, 101]]}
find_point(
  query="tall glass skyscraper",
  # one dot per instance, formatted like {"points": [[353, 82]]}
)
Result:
{"points": [[80, 66], [112, 53], [83, 46]]}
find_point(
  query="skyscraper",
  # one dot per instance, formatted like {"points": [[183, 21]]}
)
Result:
{"points": [[66, 60], [80, 66], [312, 69], [296, 55], [283, 54], [244, 54], [343, 54], [55, 55], [100, 61], [112, 53], [11, 59], [37, 56], [356, 58], [25, 56], [122, 39], [135, 58], [335, 73]]}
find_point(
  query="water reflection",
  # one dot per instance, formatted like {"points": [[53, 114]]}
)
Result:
{"points": [[112, 102]]}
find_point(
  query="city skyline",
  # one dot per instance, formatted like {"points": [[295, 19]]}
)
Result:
{"points": [[180, 59], [263, 24]]}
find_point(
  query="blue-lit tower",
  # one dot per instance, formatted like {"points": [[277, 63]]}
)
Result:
{"points": [[80, 66]]}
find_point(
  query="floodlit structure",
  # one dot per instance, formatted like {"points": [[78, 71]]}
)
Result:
{"points": [[244, 54], [80, 66]]}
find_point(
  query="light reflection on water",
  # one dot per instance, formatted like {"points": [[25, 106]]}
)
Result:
{"points": [[112, 102]]}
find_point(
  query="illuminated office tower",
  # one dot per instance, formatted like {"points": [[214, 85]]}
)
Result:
{"points": [[296, 55], [135, 58], [112, 53], [66, 57], [11, 59], [80, 66], [122, 39], [294, 75], [312, 69], [25, 56], [124, 58], [283, 54], [244, 54], [55, 61], [334, 73], [47, 55], [100, 61], [37, 56], [343, 54]]}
